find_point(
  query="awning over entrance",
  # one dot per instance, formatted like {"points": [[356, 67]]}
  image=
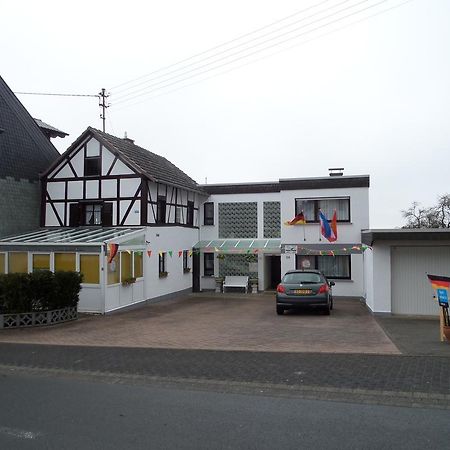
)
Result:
{"points": [[240, 246], [325, 249]]}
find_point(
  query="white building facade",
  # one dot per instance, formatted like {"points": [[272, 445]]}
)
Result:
{"points": [[252, 218]]}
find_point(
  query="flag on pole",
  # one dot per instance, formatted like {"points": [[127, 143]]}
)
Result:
{"points": [[328, 231], [299, 219]]}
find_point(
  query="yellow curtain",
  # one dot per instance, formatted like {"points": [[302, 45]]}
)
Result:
{"points": [[65, 262], [2, 262], [125, 264], [18, 262], [90, 268], [113, 270], [138, 265], [41, 262]]}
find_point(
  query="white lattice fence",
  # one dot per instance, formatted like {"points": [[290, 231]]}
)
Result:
{"points": [[37, 319]]}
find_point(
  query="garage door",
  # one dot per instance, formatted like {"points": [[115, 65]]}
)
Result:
{"points": [[411, 290]]}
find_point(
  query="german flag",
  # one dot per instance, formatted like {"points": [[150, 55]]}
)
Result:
{"points": [[439, 282], [299, 219]]}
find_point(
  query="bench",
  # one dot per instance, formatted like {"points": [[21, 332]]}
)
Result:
{"points": [[235, 282]]}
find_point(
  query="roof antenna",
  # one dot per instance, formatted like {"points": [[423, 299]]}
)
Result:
{"points": [[206, 180]]}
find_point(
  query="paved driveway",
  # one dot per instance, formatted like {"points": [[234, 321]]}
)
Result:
{"points": [[221, 323]]}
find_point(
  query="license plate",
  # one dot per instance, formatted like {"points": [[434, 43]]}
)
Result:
{"points": [[302, 291]]}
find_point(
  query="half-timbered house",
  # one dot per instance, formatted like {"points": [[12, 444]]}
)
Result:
{"points": [[107, 193]]}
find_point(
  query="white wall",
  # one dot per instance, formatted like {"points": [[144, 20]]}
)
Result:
{"points": [[165, 239]]}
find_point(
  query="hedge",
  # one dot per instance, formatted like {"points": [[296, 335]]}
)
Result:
{"points": [[38, 291]]}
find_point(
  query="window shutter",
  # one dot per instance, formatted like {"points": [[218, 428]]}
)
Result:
{"points": [[74, 215], [107, 214]]}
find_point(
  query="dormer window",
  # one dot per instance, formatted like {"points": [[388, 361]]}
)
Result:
{"points": [[92, 159]]}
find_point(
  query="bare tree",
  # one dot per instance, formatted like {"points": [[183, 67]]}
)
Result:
{"points": [[437, 216]]}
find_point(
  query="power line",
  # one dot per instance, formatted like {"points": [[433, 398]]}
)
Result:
{"points": [[220, 45], [56, 94], [254, 52], [268, 56], [227, 50]]}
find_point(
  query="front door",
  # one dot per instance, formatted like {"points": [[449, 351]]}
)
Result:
{"points": [[275, 271], [195, 272]]}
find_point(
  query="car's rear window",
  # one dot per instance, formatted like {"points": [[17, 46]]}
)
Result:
{"points": [[306, 277]]}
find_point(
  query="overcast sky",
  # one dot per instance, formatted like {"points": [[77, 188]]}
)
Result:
{"points": [[311, 92]]}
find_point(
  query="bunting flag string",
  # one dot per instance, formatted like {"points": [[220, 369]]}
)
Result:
{"points": [[170, 253], [149, 253], [180, 252]]}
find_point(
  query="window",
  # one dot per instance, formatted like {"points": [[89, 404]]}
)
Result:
{"points": [[310, 208], [113, 270], [92, 166], [93, 214], [125, 266], [90, 269], [208, 213], [92, 160], [186, 266], [162, 264], [2, 262], [190, 214], [18, 262], [178, 214], [208, 264], [90, 214], [65, 262], [337, 267], [41, 262], [161, 210], [138, 265]]}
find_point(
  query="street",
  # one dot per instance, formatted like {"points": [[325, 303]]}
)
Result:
{"points": [[55, 412]]}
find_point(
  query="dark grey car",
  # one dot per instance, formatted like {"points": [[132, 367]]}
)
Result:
{"points": [[300, 288]]}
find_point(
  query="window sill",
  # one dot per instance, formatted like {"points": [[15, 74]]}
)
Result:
{"points": [[340, 280]]}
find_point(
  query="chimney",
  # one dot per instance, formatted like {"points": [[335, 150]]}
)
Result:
{"points": [[336, 171], [126, 138]]}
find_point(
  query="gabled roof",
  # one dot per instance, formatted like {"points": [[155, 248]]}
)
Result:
{"points": [[24, 150], [154, 167], [50, 130]]}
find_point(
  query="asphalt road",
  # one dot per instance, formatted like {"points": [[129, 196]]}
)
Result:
{"points": [[67, 413]]}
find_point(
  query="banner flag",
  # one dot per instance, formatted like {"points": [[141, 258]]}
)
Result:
{"points": [[113, 248]]}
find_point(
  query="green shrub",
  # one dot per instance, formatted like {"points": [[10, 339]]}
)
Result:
{"points": [[38, 291], [15, 293], [68, 286]]}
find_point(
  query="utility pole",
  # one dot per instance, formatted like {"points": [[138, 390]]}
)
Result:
{"points": [[102, 98]]}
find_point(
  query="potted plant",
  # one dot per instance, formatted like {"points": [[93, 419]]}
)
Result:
{"points": [[221, 256], [186, 270], [254, 285], [128, 281], [163, 274], [219, 282]]}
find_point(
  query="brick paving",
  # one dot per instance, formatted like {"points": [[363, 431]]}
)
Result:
{"points": [[223, 322]]}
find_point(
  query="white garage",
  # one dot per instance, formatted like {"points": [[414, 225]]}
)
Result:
{"points": [[395, 271]]}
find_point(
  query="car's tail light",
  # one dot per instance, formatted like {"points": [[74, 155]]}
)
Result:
{"points": [[281, 289], [324, 288]]}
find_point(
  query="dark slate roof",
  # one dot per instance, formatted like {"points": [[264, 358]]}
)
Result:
{"points": [[405, 234], [154, 167], [24, 150], [50, 130]]}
